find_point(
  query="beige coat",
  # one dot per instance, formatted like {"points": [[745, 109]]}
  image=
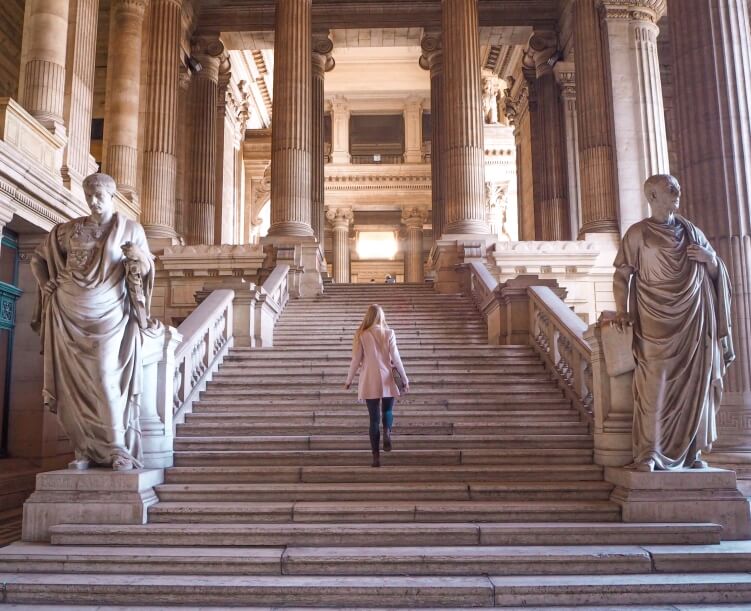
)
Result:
{"points": [[375, 354]]}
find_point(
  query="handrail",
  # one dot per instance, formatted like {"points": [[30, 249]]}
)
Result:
{"points": [[207, 337], [558, 335], [482, 285]]}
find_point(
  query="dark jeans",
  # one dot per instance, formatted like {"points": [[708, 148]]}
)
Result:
{"points": [[374, 409]]}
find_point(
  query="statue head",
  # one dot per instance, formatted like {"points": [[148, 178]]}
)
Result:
{"points": [[99, 189], [663, 193]]}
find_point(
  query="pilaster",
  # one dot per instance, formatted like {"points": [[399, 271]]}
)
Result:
{"points": [[340, 130], [413, 130], [565, 75], [414, 218], [322, 62], [122, 95], [630, 31], [340, 219]]}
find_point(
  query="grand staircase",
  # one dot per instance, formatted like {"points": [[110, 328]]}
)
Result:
{"points": [[489, 498]]}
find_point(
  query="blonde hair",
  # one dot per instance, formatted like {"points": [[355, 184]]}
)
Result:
{"points": [[374, 317]]}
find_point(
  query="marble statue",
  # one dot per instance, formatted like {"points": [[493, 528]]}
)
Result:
{"points": [[675, 291], [95, 276], [491, 88]]}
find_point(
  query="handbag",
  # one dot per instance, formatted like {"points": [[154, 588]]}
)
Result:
{"points": [[397, 379]]}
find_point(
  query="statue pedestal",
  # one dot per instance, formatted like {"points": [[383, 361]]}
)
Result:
{"points": [[692, 495], [93, 496]]}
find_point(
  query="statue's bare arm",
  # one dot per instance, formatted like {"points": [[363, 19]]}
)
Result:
{"points": [[621, 282], [42, 274]]}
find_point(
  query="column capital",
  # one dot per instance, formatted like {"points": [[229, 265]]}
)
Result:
{"points": [[322, 48], [633, 10], [340, 218], [565, 76], [432, 51], [414, 216], [135, 8], [541, 55], [209, 52]]}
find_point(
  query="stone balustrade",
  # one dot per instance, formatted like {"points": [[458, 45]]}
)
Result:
{"points": [[207, 337]]}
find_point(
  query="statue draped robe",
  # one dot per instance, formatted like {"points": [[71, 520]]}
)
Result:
{"points": [[682, 341], [91, 339]]}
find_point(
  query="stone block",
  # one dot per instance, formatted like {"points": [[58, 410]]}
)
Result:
{"points": [[691, 495], [93, 496]]}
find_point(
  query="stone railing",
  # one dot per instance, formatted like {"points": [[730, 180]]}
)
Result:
{"points": [[207, 337], [268, 305], [558, 335]]}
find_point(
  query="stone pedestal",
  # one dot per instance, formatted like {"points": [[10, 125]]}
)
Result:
{"points": [[94, 496], [304, 256], [450, 253], [692, 495]]}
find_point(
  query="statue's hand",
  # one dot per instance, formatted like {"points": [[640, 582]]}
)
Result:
{"points": [[49, 287], [700, 254], [621, 321], [131, 251]]}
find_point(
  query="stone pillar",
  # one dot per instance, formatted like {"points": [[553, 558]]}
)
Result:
{"points": [[184, 142], [551, 198], [79, 93], [200, 213], [123, 91], [641, 145], [413, 130], [711, 37], [290, 134], [432, 59], [566, 77], [159, 156], [41, 88], [340, 219], [596, 150], [464, 147], [322, 63], [414, 268], [340, 130]]}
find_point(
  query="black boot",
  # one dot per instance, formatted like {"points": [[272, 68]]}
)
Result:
{"points": [[386, 440]]}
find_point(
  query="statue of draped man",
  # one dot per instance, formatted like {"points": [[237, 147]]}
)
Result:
{"points": [[95, 276], [675, 291]]}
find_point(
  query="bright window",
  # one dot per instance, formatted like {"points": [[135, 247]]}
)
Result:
{"points": [[376, 245]]}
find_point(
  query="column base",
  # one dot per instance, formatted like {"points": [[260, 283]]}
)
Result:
{"points": [[304, 255], [92, 496], [691, 495]]}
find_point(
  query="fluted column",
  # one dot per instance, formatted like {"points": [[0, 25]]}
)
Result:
{"points": [[413, 130], [41, 87], [464, 146], [711, 38], [123, 92], [322, 63], [340, 130], [414, 267], [159, 156], [340, 219], [641, 144], [566, 77], [290, 133], [184, 141], [596, 149], [551, 198], [79, 99], [432, 59], [204, 89]]}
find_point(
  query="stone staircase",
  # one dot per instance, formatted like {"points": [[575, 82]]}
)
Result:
{"points": [[489, 498]]}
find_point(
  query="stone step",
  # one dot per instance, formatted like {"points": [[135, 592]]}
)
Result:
{"points": [[508, 456], [433, 392], [356, 417], [247, 590], [383, 511], [359, 442], [482, 379], [676, 588], [340, 368], [325, 474], [445, 560], [396, 534], [280, 427], [405, 404], [388, 491]]}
